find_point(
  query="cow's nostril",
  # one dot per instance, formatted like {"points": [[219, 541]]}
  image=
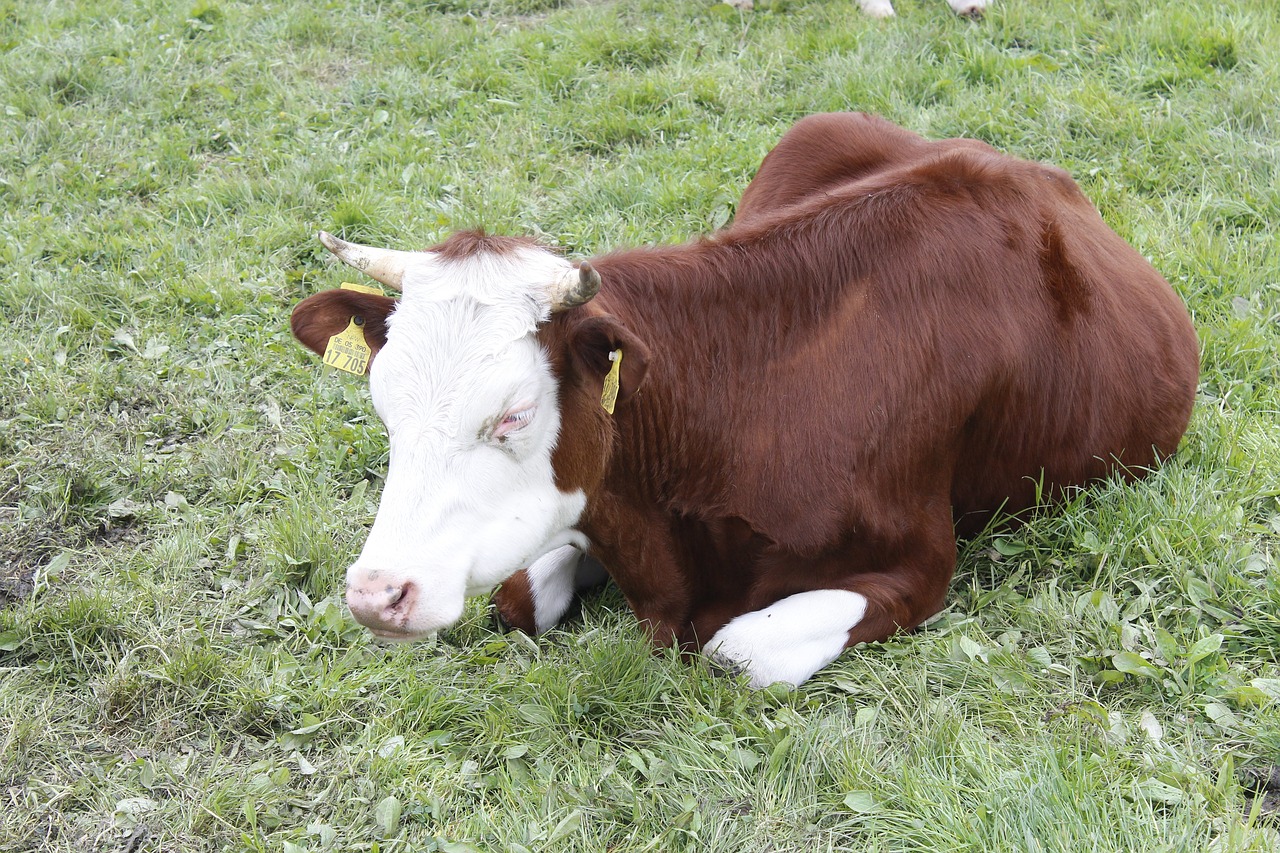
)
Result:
{"points": [[401, 598], [382, 606]]}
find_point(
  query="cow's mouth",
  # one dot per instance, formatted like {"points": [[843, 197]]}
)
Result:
{"points": [[396, 636]]}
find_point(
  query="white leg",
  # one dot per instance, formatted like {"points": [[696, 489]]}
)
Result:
{"points": [[877, 8], [551, 579], [968, 8], [791, 639]]}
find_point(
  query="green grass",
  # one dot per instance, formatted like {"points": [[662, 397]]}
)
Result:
{"points": [[182, 486]]}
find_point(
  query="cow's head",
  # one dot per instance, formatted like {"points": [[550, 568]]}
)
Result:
{"points": [[471, 398]]}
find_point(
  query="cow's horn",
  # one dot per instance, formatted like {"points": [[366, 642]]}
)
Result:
{"points": [[384, 265], [576, 288]]}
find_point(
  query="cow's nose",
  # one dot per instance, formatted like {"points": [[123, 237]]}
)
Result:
{"points": [[382, 607]]}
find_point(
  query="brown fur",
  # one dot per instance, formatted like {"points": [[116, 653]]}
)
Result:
{"points": [[895, 340], [469, 244], [318, 318]]}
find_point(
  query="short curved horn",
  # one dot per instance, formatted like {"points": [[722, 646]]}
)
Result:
{"points": [[384, 265], [576, 288]]}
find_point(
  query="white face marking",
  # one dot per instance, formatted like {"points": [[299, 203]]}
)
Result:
{"points": [[791, 639], [470, 405]]}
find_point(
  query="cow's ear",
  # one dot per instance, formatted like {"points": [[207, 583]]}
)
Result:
{"points": [[320, 317], [590, 344]]}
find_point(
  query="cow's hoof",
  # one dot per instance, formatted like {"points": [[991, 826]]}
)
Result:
{"points": [[973, 9], [723, 667], [513, 605]]}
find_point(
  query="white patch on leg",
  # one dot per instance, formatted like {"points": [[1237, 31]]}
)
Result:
{"points": [[968, 8], [552, 581], [791, 639], [877, 8]]}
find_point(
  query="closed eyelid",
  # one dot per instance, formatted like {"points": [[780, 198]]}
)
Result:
{"points": [[514, 419]]}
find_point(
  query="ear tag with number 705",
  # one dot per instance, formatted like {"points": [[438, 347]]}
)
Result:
{"points": [[348, 349]]}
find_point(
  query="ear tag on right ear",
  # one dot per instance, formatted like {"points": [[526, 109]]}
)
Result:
{"points": [[609, 396], [347, 350]]}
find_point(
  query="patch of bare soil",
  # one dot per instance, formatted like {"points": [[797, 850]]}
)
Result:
{"points": [[18, 561], [1264, 784], [15, 582], [26, 547]]}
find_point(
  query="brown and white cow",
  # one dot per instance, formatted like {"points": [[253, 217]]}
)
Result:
{"points": [[894, 340], [884, 8], [964, 8]]}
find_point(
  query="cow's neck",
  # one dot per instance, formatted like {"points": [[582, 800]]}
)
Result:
{"points": [[713, 316], [744, 295]]}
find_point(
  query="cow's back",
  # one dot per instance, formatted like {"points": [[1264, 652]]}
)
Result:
{"points": [[824, 151], [913, 316]]}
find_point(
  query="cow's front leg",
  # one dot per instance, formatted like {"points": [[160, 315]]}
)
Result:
{"points": [[535, 599], [877, 8], [791, 639], [794, 637], [968, 8]]}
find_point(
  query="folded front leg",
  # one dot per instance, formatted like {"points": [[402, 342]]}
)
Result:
{"points": [[794, 637], [877, 8], [535, 599], [968, 8], [790, 640]]}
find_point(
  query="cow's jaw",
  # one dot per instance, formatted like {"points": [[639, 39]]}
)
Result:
{"points": [[471, 407]]}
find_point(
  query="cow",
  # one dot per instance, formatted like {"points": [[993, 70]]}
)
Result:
{"points": [[963, 8], [973, 9], [770, 436]]}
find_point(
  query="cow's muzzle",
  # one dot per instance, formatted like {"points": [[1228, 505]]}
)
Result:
{"points": [[384, 607]]}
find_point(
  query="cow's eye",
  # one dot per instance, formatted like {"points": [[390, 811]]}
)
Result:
{"points": [[514, 420]]}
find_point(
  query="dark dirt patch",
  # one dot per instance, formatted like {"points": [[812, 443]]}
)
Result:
{"points": [[25, 548], [136, 840], [122, 525], [1260, 778], [17, 573], [1264, 784], [28, 546], [14, 587]]}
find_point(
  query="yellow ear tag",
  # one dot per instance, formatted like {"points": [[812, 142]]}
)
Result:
{"points": [[609, 397], [347, 350], [361, 288]]}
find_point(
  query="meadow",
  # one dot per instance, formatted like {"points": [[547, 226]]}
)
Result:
{"points": [[182, 486]]}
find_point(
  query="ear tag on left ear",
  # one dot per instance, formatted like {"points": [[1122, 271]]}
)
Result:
{"points": [[609, 397], [360, 288], [347, 350]]}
